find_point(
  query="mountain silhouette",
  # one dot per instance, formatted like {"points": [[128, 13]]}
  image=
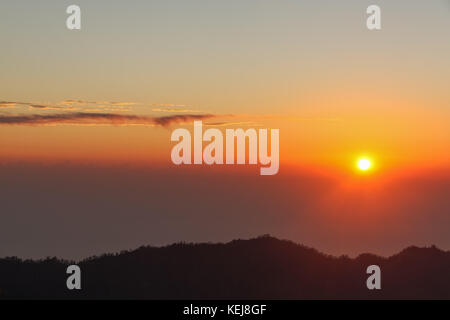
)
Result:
{"points": [[260, 268]]}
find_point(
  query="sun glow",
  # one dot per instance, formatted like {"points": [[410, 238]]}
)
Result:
{"points": [[364, 164]]}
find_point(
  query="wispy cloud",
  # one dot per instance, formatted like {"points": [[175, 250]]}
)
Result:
{"points": [[12, 104], [227, 124], [174, 110], [84, 118], [46, 107], [106, 109], [103, 103], [180, 118], [7, 104], [72, 105], [98, 106]]}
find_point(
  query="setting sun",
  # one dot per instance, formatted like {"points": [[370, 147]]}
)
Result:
{"points": [[364, 164]]}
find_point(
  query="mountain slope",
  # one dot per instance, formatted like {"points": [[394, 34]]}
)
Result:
{"points": [[261, 268]]}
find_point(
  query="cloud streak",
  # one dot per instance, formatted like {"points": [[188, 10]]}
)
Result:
{"points": [[226, 124], [13, 104], [108, 103], [69, 105], [85, 118], [174, 110], [97, 106], [7, 104]]}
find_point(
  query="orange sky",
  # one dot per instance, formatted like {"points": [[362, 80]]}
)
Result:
{"points": [[111, 94], [334, 93]]}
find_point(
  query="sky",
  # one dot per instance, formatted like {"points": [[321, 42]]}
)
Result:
{"points": [[86, 118]]}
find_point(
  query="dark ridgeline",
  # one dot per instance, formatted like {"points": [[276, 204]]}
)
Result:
{"points": [[262, 268]]}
